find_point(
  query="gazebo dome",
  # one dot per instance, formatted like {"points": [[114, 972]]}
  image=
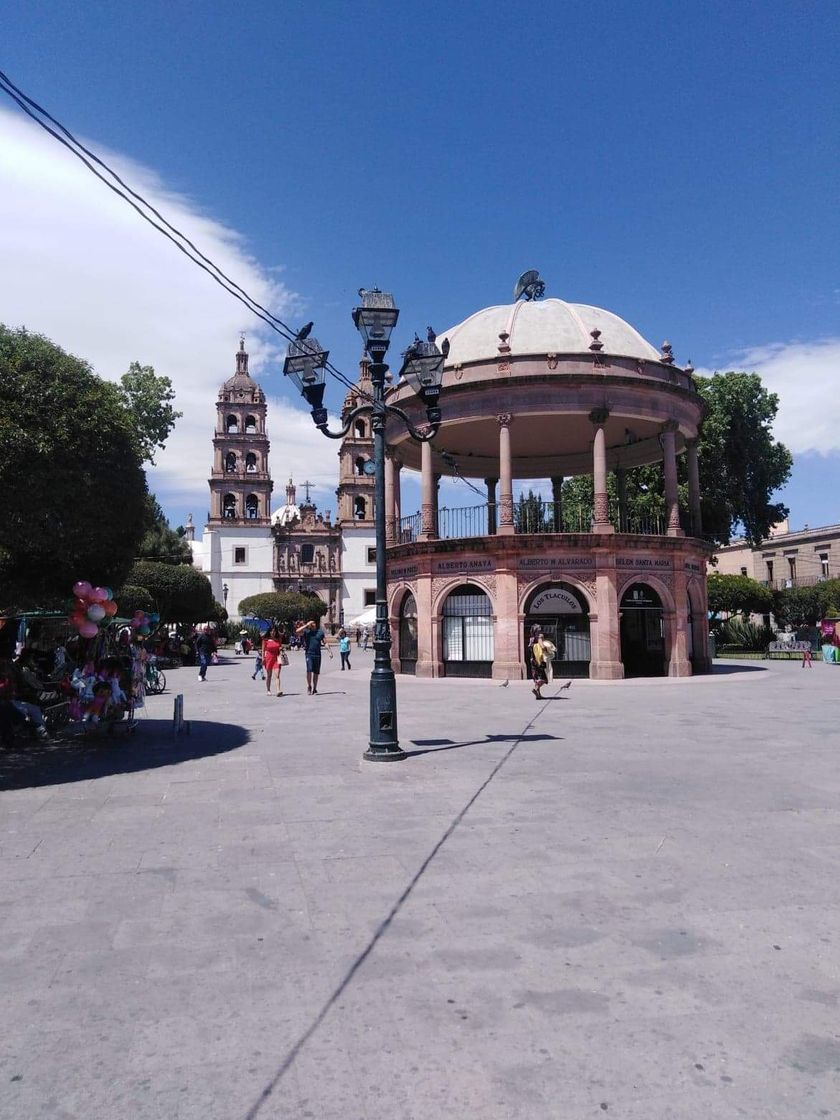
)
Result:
{"points": [[544, 327]]}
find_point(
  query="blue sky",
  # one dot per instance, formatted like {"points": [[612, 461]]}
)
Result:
{"points": [[676, 164]]}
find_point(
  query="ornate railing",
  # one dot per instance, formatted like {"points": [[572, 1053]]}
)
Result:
{"points": [[530, 517]]}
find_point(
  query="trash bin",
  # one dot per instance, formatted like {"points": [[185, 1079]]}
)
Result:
{"points": [[712, 646]]}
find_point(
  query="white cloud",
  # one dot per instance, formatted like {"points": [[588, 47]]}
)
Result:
{"points": [[805, 375], [81, 267]]}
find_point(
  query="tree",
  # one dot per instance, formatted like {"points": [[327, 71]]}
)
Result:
{"points": [[805, 606], [741, 464], [71, 478], [131, 598], [734, 594], [532, 514], [148, 397], [160, 542], [182, 594], [283, 606]]}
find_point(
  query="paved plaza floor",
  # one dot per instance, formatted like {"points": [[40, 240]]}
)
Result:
{"points": [[622, 901]]}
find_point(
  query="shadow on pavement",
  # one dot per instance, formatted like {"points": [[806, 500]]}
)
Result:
{"points": [[432, 746], [724, 670], [153, 744]]}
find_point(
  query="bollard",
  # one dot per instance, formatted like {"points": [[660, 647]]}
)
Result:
{"points": [[178, 715]]}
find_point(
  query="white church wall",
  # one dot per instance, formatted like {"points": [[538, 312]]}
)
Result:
{"points": [[358, 571], [240, 557]]}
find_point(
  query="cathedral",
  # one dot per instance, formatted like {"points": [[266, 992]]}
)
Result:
{"points": [[247, 549]]}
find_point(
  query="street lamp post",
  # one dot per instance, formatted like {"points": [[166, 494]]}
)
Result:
{"points": [[225, 590], [422, 369]]}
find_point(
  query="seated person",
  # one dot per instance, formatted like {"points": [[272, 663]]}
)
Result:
{"points": [[28, 684], [14, 710]]}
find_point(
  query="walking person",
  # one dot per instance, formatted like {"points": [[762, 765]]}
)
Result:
{"points": [[203, 652], [365, 637], [313, 640], [537, 660], [344, 649], [272, 657], [550, 653], [358, 636], [258, 666]]}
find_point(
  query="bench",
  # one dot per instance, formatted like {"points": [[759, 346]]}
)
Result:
{"points": [[787, 649]]}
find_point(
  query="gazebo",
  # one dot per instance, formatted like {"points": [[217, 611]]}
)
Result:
{"points": [[544, 389]]}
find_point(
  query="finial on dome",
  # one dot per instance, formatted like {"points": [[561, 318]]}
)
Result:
{"points": [[689, 368], [529, 286], [242, 356], [667, 353], [595, 344]]}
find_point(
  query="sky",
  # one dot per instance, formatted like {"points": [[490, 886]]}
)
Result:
{"points": [[676, 164]]}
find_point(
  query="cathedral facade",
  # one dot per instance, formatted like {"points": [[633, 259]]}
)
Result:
{"points": [[247, 549]]}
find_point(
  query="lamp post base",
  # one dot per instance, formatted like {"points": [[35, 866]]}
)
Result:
{"points": [[380, 753], [384, 743]]}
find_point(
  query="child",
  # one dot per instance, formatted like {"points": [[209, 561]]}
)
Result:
{"points": [[258, 667], [807, 657], [344, 648]]}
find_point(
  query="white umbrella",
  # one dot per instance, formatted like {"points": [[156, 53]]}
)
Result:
{"points": [[366, 619]]}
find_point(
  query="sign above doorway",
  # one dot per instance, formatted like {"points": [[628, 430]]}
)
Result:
{"points": [[555, 600]]}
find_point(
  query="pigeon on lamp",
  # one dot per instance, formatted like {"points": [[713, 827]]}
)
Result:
{"points": [[430, 334], [304, 332]]}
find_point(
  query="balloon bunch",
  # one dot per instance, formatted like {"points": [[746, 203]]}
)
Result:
{"points": [[92, 606], [143, 623]]}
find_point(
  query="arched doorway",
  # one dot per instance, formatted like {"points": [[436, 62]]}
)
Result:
{"points": [[563, 614], [408, 635], [642, 632], [467, 633]]}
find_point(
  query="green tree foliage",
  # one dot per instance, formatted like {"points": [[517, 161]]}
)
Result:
{"points": [[148, 398], [181, 593], [160, 542], [741, 464], [532, 515], [131, 598], [733, 594], [72, 481], [805, 606], [283, 606]]}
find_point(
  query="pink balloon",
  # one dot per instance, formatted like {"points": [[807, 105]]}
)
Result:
{"points": [[82, 589], [134, 623], [100, 595], [138, 614], [88, 630]]}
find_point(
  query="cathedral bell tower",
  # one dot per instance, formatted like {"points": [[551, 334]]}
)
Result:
{"points": [[356, 486], [240, 483]]}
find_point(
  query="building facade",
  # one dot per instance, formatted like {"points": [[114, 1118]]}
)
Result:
{"points": [[308, 552], [785, 559], [356, 507], [539, 390]]}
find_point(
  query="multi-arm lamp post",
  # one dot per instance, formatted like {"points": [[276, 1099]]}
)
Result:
{"points": [[422, 369]]}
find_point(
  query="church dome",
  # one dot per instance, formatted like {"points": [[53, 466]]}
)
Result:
{"points": [[547, 326], [286, 515]]}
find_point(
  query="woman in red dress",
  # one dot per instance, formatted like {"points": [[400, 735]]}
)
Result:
{"points": [[272, 648]]}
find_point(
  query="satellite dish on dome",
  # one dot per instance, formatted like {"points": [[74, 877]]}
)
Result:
{"points": [[529, 285]]}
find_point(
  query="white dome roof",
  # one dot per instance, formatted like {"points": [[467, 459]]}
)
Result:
{"points": [[285, 515], [544, 327]]}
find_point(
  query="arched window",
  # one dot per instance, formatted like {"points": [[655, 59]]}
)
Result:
{"points": [[229, 507], [360, 429], [359, 509], [408, 634], [252, 507], [468, 633], [251, 463], [307, 553], [230, 462], [250, 425], [232, 423], [360, 466]]}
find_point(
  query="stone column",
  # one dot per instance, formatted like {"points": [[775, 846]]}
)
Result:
{"points": [[672, 497], [428, 500], [505, 526], [693, 465], [490, 483], [621, 488], [605, 627], [676, 630], [390, 523], [601, 504], [397, 503], [557, 499]]}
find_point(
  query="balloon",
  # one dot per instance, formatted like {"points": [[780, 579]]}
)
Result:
{"points": [[96, 612], [99, 594], [110, 608], [138, 614], [133, 623], [78, 618], [109, 594], [88, 630], [80, 605], [82, 589]]}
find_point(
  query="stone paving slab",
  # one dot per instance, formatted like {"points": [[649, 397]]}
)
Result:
{"points": [[637, 916]]}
